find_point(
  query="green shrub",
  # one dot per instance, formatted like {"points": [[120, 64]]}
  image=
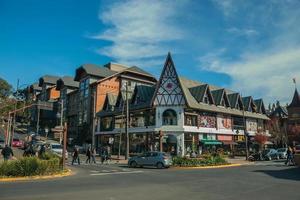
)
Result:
{"points": [[206, 160], [29, 166]]}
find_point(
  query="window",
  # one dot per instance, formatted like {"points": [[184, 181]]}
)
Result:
{"points": [[205, 98], [190, 120], [169, 117], [106, 124]]}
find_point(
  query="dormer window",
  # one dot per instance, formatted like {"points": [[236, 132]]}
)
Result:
{"points": [[206, 99]]}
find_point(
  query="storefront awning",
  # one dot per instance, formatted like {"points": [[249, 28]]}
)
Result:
{"points": [[229, 143], [211, 142]]}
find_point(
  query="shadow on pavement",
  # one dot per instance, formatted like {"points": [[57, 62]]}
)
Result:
{"points": [[292, 173]]}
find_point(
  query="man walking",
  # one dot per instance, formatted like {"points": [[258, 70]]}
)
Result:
{"points": [[76, 156], [88, 155], [7, 153]]}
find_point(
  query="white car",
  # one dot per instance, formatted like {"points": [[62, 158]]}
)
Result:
{"points": [[57, 149]]}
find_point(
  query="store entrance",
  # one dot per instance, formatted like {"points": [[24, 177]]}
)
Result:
{"points": [[170, 144]]}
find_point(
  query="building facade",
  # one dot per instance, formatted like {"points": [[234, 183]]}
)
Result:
{"points": [[179, 116], [294, 119]]}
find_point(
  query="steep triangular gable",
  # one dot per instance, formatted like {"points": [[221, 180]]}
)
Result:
{"points": [[260, 107], [296, 100], [225, 99], [239, 105], [168, 90], [105, 105], [249, 104], [220, 98], [209, 95]]}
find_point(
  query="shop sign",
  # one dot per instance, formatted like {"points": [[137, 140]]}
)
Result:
{"points": [[224, 137], [251, 125], [207, 121], [224, 122], [239, 138]]}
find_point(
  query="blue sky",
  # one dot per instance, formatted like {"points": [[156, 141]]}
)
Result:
{"points": [[248, 46]]}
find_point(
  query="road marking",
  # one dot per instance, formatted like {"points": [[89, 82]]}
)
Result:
{"points": [[111, 173]]}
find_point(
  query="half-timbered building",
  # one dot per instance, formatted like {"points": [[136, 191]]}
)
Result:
{"points": [[179, 115]]}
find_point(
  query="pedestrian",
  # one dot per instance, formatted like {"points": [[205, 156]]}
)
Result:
{"points": [[42, 151], [75, 156], [94, 153], [289, 156], [88, 155], [7, 153], [103, 155]]}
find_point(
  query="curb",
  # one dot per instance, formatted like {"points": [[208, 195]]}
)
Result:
{"points": [[210, 167], [27, 178]]}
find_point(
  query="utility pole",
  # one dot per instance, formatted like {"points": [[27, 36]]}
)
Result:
{"points": [[61, 119], [14, 119], [94, 118], [38, 120], [65, 131], [8, 130], [245, 135], [127, 124]]}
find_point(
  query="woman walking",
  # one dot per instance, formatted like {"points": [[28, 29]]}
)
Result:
{"points": [[88, 155], [75, 156], [94, 153]]}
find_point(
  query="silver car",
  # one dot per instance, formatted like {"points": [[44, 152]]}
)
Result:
{"points": [[282, 153], [158, 159]]}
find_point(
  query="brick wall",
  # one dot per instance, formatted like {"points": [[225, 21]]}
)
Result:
{"points": [[108, 86]]}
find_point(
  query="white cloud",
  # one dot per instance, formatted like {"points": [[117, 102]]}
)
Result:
{"points": [[242, 32], [266, 74], [139, 30]]}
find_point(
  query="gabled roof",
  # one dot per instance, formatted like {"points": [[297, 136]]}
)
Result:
{"points": [[34, 87], [198, 92], [217, 94], [247, 102], [139, 70], [233, 99], [220, 94], [48, 79], [280, 111], [296, 100], [144, 93], [93, 70], [67, 81], [260, 107]]}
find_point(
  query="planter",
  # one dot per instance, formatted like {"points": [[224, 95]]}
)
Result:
{"points": [[297, 159]]}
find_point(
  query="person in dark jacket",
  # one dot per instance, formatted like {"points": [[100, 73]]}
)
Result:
{"points": [[88, 155], [7, 153], [75, 156]]}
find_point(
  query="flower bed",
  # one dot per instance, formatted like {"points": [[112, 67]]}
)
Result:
{"points": [[207, 160], [30, 166]]}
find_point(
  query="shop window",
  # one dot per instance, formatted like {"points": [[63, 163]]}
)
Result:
{"points": [[106, 124], [169, 117], [190, 120]]}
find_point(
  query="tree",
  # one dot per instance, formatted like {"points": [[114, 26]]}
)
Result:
{"points": [[5, 89], [261, 139]]}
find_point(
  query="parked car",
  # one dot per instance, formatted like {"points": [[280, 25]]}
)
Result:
{"points": [[2, 143], [270, 154], [297, 148], [57, 149], [282, 153], [17, 143], [158, 159]]}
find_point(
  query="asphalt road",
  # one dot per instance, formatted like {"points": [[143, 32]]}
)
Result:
{"points": [[268, 180]]}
